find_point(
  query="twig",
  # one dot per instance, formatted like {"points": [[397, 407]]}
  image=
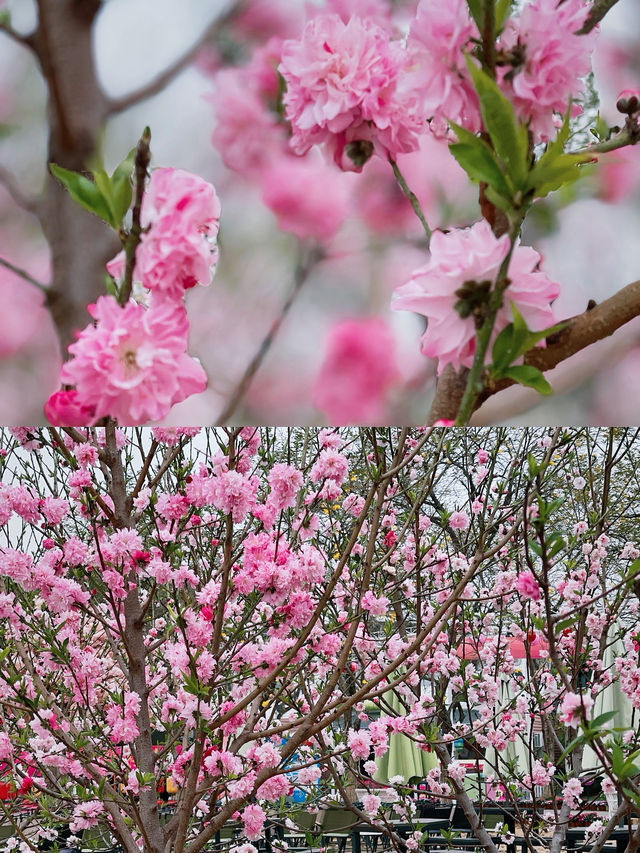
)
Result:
{"points": [[580, 332], [158, 83], [597, 12], [25, 275], [24, 41], [413, 199], [143, 158], [9, 182], [301, 274]]}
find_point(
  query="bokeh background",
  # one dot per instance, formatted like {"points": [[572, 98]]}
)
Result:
{"points": [[588, 237]]}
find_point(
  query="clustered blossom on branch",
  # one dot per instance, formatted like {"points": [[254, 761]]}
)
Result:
{"points": [[164, 586], [451, 290], [132, 363]]}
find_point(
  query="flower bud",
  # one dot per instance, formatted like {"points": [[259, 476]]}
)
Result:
{"points": [[628, 101]]}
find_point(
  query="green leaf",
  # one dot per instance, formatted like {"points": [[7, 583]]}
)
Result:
{"points": [[85, 192], [554, 169], [502, 351], [509, 137], [476, 10], [503, 10], [479, 160], [527, 374], [499, 200], [122, 191], [601, 719], [532, 464]]}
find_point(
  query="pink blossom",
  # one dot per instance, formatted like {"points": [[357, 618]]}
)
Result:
{"points": [[572, 706], [457, 771], [438, 36], [371, 803], [527, 586], [461, 257], [66, 408], [85, 815], [330, 465], [459, 520], [54, 509], [373, 605], [571, 793], [308, 197], [180, 215], [554, 61], [253, 818], [284, 481], [346, 88], [132, 364], [233, 493], [358, 370]]}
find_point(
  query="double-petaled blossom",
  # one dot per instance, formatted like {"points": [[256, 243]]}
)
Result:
{"points": [[132, 364], [464, 266], [347, 88]]}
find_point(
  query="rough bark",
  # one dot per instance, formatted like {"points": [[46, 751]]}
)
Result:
{"points": [[80, 243]]}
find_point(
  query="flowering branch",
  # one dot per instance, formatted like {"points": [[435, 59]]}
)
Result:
{"points": [[597, 12], [581, 331]]}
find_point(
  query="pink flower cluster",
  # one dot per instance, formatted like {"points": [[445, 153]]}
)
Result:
{"points": [[572, 707], [439, 34], [549, 61], [132, 363], [347, 89], [465, 261], [357, 373], [123, 719], [527, 586]]}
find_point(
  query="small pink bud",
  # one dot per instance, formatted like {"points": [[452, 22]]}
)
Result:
{"points": [[629, 101], [48, 544]]}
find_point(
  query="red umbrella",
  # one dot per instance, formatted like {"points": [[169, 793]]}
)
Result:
{"points": [[469, 649], [535, 644]]}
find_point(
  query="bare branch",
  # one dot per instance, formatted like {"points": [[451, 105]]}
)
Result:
{"points": [[161, 80], [580, 332], [597, 12], [303, 269], [25, 275], [10, 183], [24, 41]]}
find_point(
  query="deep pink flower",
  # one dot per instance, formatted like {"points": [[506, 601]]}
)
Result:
{"points": [[473, 254], [346, 87], [357, 372], [527, 586], [67, 408], [555, 61], [132, 364]]}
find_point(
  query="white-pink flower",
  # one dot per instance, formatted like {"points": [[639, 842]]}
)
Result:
{"points": [[572, 706], [462, 263]]}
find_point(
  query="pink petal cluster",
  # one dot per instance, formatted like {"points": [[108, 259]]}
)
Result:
{"points": [[253, 818], [527, 586], [467, 255], [459, 520], [358, 370], [572, 705], [123, 720], [439, 34], [551, 61], [359, 743], [132, 364], [346, 87], [180, 217]]}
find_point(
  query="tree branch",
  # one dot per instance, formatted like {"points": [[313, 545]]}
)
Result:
{"points": [[158, 83], [25, 275], [596, 14], [143, 158], [580, 332], [9, 182], [302, 272], [24, 41]]}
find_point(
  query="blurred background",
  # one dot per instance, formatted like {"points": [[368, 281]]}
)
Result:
{"points": [[339, 327]]}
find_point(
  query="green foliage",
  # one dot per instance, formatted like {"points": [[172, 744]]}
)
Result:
{"points": [[509, 138], [510, 345], [479, 161], [556, 169], [109, 198]]}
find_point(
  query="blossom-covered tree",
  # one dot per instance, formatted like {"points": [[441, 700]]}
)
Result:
{"points": [[417, 98], [226, 608]]}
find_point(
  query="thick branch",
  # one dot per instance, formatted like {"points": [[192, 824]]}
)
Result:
{"points": [[158, 83], [581, 331], [596, 14]]}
